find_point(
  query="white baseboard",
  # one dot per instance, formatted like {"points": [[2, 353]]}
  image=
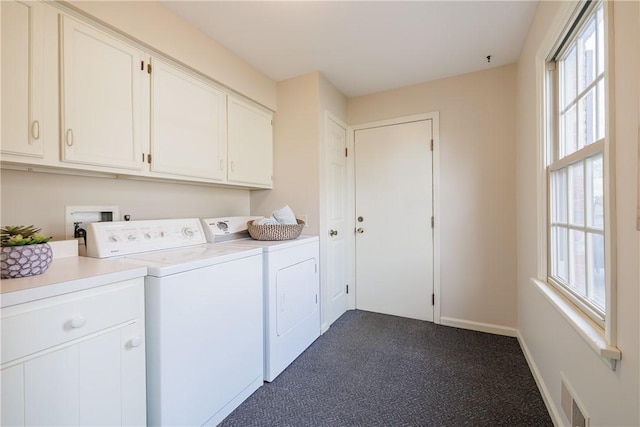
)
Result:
{"points": [[546, 396], [478, 326]]}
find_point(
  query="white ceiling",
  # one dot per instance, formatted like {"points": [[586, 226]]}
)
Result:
{"points": [[364, 47]]}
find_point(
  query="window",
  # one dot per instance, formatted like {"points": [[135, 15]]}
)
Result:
{"points": [[576, 164]]}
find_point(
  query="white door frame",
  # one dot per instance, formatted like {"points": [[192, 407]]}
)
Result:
{"points": [[323, 227], [435, 118]]}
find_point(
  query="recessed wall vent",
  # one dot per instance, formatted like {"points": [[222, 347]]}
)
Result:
{"points": [[572, 409]]}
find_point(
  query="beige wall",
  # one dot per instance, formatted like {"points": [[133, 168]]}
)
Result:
{"points": [[295, 153], [477, 186], [610, 398], [298, 133], [40, 199], [153, 24]]}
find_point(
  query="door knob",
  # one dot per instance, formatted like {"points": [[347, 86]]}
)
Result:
{"points": [[360, 219], [360, 230], [333, 232]]}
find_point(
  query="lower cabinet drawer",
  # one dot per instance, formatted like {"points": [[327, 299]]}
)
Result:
{"points": [[32, 327]]}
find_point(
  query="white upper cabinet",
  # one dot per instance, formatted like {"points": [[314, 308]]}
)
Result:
{"points": [[249, 145], [101, 98], [188, 124], [22, 78]]}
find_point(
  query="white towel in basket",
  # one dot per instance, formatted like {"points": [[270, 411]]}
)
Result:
{"points": [[267, 221], [284, 215]]}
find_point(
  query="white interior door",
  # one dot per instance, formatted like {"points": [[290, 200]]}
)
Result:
{"points": [[336, 247], [394, 206]]}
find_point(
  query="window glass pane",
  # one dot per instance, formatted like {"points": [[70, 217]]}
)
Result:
{"points": [[569, 136], [559, 197], [600, 102], [576, 194], [587, 56], [561, 256], [577, 268], [596, 277], [568, 78], [595, 192], [587, 119], [600, 20]]}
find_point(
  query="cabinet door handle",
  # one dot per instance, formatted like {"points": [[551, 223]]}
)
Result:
{"points": [[78, 322], [221, 165], [35, 129], [135, 341], [69, 137], [233, 166]]}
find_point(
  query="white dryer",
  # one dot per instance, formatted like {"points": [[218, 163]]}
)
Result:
{"points": [[291, 289]]}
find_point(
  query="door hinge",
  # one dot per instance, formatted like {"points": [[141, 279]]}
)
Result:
{"points": [[141, 65], [346, 152], [432, 145], [433, 221], [347, 288], [433, 299], [149, 158], [149, 68]]}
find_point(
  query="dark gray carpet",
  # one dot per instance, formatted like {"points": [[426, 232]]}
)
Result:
{"points": [[372, 369]]}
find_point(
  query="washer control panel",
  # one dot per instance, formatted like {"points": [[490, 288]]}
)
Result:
{"points": [[109, 239]]}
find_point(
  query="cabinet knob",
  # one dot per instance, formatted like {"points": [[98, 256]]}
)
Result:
{"points": [[360, 230], [135, 342], [35, 129], [78, 322], [333, 232], [69, 137]]}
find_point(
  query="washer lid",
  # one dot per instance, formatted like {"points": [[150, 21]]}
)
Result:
{"points": [[173, 261]]}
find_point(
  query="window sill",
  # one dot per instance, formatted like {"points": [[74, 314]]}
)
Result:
{"points": [[588, 330]]}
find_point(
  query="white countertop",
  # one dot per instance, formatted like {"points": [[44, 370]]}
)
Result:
{"points": [[66, 275]]}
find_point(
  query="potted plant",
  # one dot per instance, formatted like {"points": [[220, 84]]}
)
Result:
{"points": [[24, 252]]}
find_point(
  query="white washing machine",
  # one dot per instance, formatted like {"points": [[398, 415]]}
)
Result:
{"points": [[204, 320], [291, 289]]}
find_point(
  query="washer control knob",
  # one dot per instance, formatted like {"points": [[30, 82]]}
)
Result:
{"points": [[114, 239], [187, 232], [132, 237]]}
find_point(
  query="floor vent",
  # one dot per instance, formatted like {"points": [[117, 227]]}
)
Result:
{"points": [[572, 409]]}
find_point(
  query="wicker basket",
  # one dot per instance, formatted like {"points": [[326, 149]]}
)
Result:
{"points": [[275, 231]]}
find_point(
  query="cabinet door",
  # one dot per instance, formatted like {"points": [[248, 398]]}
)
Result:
{"points": [[99, 381], [188, 124], [12, 396], [101, 98], [22, 78], [250, 145]]}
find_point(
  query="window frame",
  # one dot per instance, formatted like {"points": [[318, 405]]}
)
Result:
{"points": [[580, 17]]}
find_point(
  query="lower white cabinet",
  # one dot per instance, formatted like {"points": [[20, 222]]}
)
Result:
{"points": [[75, 359]]}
